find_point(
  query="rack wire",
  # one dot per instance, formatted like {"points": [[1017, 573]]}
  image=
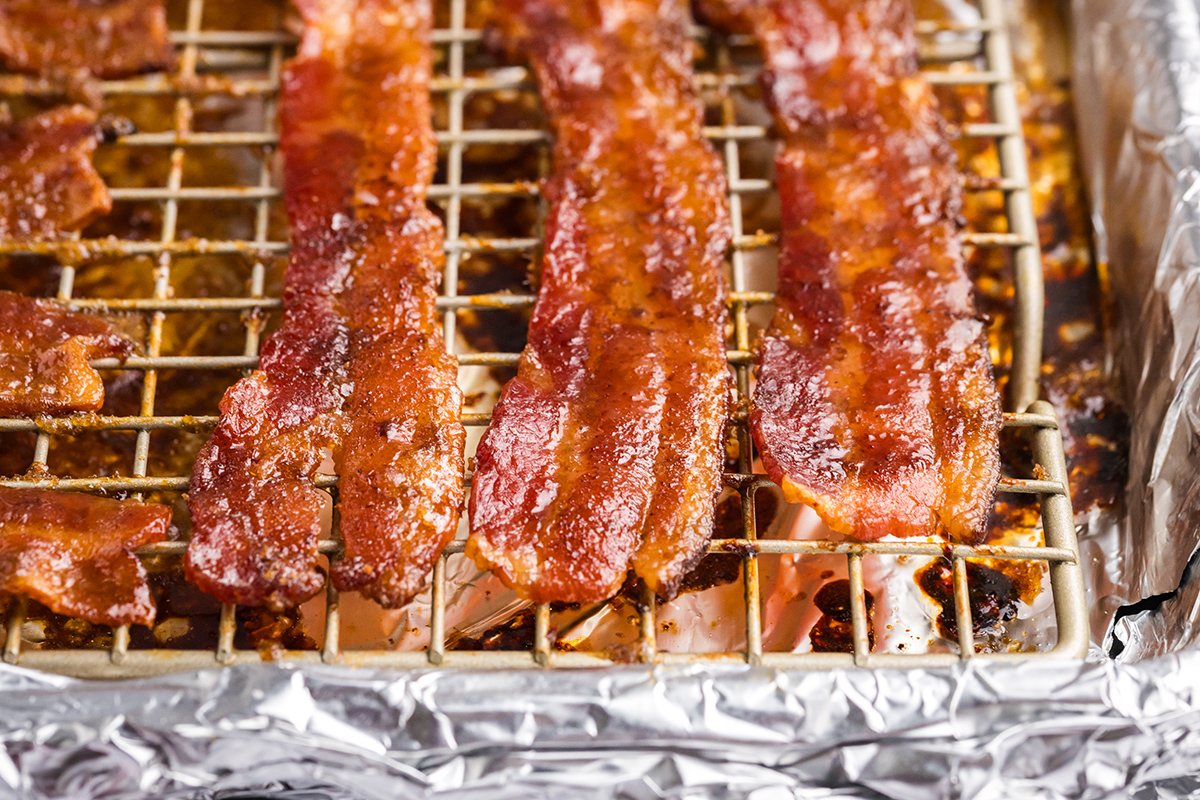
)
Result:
{"points": [[242, 64]]}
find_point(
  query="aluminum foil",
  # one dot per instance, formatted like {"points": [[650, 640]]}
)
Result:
{"points": [[1036, 731], [1137, 90]]}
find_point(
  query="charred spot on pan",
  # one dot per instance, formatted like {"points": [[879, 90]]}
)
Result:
{"points": [[513, 634], [834, 631], [993, 596]]}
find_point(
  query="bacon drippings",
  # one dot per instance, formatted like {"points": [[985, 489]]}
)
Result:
{"points": [[74, 553], [358, 367], [44, 355], [105, 38], [605, 452], [48, 185], [875, 402]]}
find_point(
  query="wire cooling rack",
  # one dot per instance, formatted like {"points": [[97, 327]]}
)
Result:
{"points": [[238, 64]]}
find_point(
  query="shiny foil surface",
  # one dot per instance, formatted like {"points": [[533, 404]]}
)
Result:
{"points": [[1137, 93], [1045, 730]]}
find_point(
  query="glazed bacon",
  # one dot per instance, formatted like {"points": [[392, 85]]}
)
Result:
{"points": [[105, 38], [44, 355], [605, 452], [358, 367], [48, 185], [875, 402], [74, 553]]}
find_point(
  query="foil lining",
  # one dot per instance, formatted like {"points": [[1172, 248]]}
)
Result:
{"points": [[1137, 91], [1054, 730]]}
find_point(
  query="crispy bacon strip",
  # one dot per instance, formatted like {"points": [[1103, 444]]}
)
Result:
{"points": [[875, 402], [74, 553], [106, 38], [44, 354], [358, 366], [606, 450], [48, 185]]}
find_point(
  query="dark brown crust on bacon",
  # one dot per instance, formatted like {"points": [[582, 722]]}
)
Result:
{"points": [[74, 553], [48, 185], [605, 452], [105, 38], [358, 365], [875, 402], [44, 355]]}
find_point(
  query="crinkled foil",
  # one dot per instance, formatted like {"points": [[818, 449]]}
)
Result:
{"points": [[1032, 731], [1137, 90]]}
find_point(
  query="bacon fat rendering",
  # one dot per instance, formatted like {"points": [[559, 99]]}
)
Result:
{"points": [[74, 553], [104, 38], [605, 452], [48, 185], [44, 355], [875, 402], [358, 367]]}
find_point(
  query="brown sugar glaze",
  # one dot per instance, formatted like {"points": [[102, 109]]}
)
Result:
{"points": [[875, 403], [74, 552], [102, 38], [358, 367], [604, 453]]}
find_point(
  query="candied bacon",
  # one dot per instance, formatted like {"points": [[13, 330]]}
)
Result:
{"points": [[44, 354], [875, 402], [358, 366], [605, 452], [74, 553], [105, 38], [48, 185]]}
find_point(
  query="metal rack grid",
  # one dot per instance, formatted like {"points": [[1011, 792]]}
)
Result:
{"points": [[228, 52]]}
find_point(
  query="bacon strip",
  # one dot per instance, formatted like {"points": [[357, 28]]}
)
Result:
{"points": [[106, 38], [48, 185], [606, 450], [44, 355], [74, 553], [875, 402], [358, 366]]}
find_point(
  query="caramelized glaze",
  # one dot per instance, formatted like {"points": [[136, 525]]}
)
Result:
{"points": [[605, 452], [48, 185], [105, 38], [44, 355], [358, 367], [74, 553], [875, 402]]}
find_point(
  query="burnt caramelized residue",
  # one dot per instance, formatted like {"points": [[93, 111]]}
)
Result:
{"points": [[993, 598], [718, 569], [834, 631], [515, 633]]}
